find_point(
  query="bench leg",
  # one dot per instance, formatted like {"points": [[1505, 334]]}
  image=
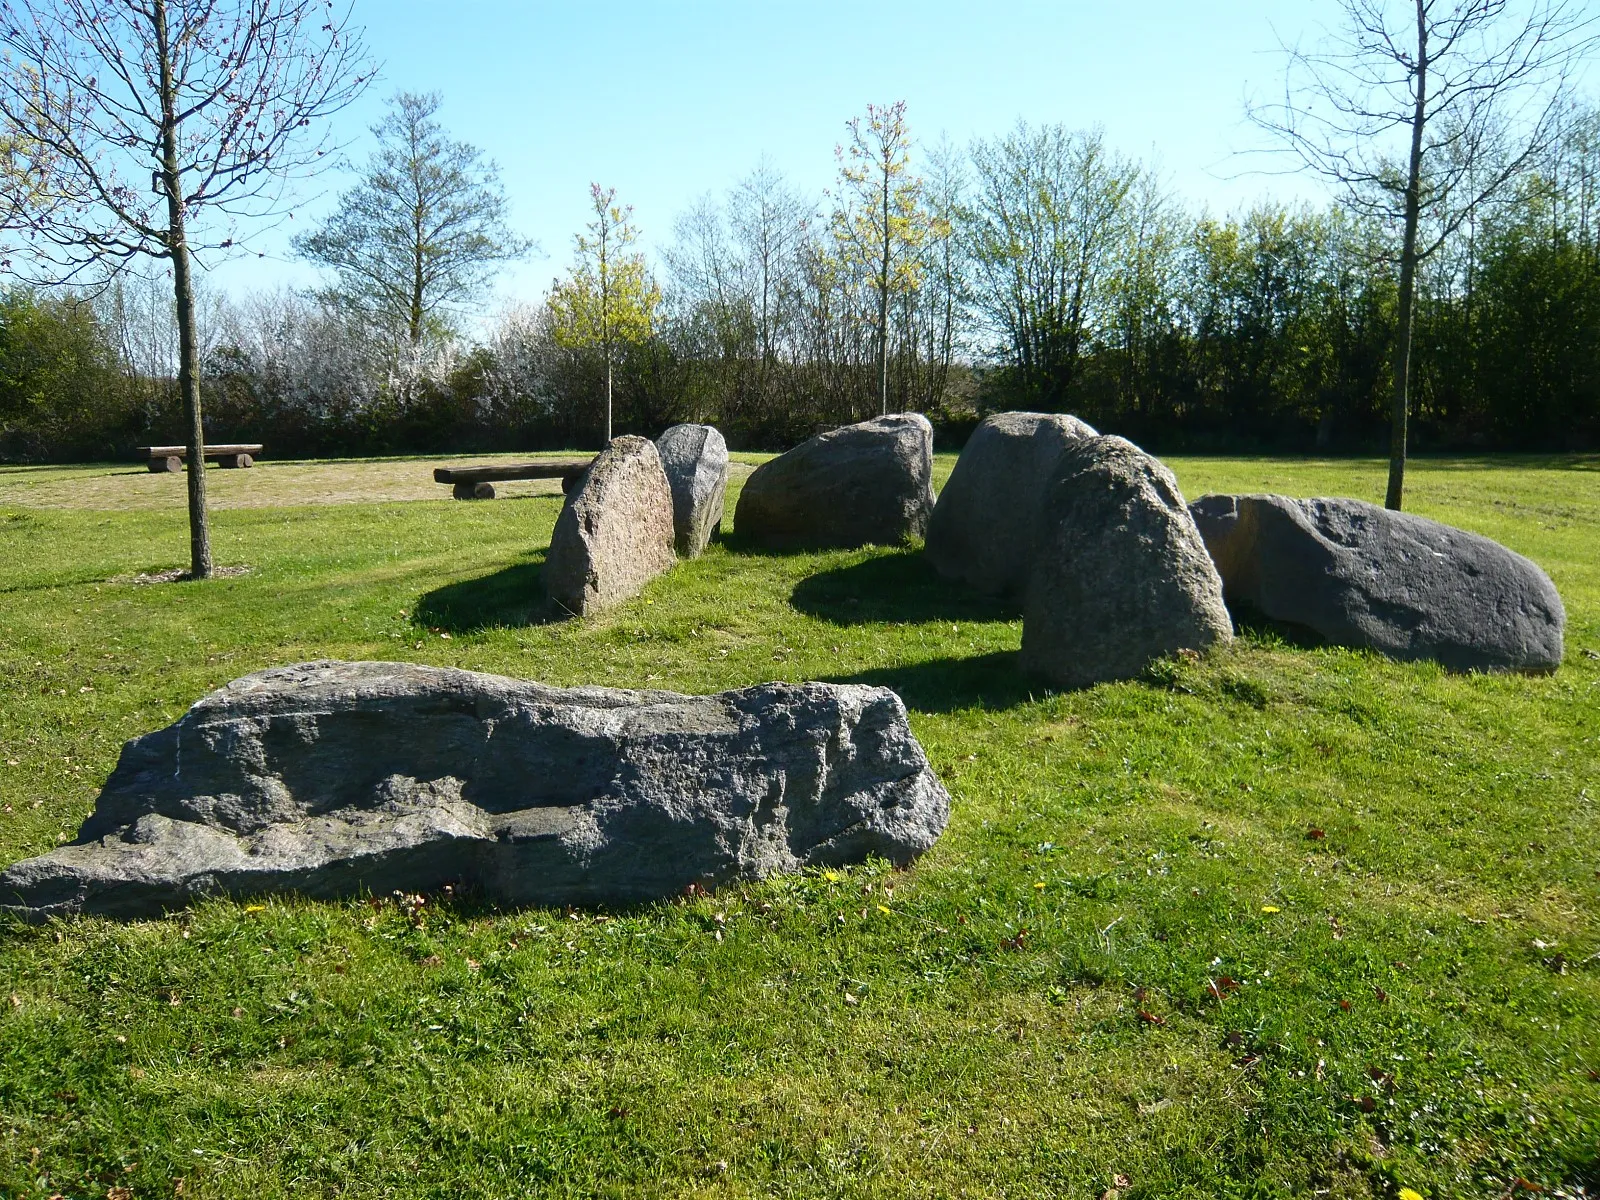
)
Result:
{"points": [[162, 466], [244, 462], [473, 491]]}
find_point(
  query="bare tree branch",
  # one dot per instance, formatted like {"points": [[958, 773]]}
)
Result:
{"points": [[153, 128]]}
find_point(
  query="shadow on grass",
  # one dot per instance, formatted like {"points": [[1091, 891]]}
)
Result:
{"points": [[1252, 625], [1569, 461], [511, 598], [749, 547], [941, 685], [893, 587]]}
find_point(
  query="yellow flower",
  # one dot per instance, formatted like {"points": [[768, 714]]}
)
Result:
{"points": [[1039, 886], [831, 876], [1409, 1194], [249, 908], [883, 908], [1270, 908]]}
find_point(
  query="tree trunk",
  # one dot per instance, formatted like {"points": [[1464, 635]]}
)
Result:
{"points": [[608, 397], [883, 308], [416, 279], [1408, 278], [183, 296], [605, 312]]}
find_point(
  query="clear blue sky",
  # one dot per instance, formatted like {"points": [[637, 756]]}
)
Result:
{"points": [[666, 101]]}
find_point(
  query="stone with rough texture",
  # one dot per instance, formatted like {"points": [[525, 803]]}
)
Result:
{"points": [[695, 458], [983, 527], [1358, 575], [863, 484], [1120, 576], [337, 779], [614, 534]]}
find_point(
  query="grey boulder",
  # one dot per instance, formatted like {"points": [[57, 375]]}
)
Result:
{"points": [[1358, 575], [615, 531], [1120, 576], [983, 527], [863, 484], [336, 779], [695, 458]]}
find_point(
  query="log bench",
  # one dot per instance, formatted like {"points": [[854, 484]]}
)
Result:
{"points": [[477, 483], [170, 458]]}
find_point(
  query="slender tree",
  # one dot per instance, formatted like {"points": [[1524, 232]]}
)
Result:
{"points": [[424, 231], [609, 298], [767, 222], [161, 128], [944, 267], [879, 218], [1427, 106]]}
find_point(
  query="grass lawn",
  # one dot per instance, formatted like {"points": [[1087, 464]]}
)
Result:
{"points": [[1286, 922]]}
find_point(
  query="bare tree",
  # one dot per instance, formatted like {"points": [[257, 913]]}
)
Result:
{"points": [[158, 129], [1402, 108], [945, 268], [767, 221]]}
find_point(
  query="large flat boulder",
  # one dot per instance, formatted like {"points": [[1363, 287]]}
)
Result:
{"points": [[861, 485], [695, 458], [1120, 575], [336, 779], [983, 528], [1358, 575], [615, 531]]}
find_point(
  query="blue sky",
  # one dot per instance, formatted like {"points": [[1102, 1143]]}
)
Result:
{"points": [[668, 101]]}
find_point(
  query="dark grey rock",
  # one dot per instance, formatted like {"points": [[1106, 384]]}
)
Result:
{"points": [[695, 458], [1120, 575], [983, 529], [334, 779], [863, 484], [615, 533], [1358, 575]]}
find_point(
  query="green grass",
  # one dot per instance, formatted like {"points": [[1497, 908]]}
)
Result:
{"points": [[971, 1027]]}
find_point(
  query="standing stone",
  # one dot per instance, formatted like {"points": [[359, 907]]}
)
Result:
{"points": [[983, 527], [695, 458], [863, 484], [1358, 575], [614, 534], [1121, 575], [338, 779]]}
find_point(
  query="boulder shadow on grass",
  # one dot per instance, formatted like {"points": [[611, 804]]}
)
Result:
{"points": [[899, 586], [510, 598], [941, 685], [1253, 625]]}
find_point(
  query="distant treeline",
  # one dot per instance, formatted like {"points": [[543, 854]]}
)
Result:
{"points": [[1037, 270]]}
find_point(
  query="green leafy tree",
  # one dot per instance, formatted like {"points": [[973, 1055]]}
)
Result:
{"points": [[609, 298], [424, 232], [1050, 226], [61, 383], [879, 221]]}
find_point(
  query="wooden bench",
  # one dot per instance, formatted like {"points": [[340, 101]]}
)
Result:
{"points": [[477, 483], [170, 458]]}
